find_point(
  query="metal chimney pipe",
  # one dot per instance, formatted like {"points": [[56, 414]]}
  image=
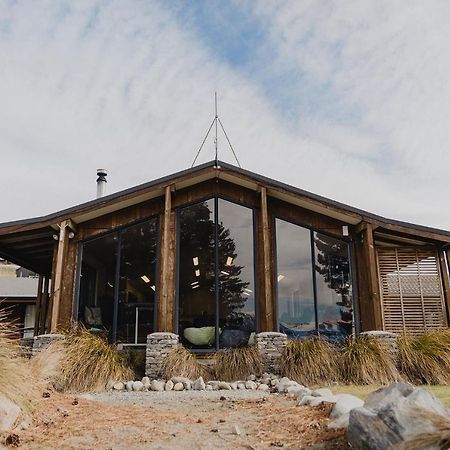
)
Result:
{"points": [[101, 181]]}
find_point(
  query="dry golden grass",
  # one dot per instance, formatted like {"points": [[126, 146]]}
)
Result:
{"points": [[310, 362], [237, 363], [82, 362], [364, 361], [16, 381], [181, 362], [439, 439], [425, 359]]}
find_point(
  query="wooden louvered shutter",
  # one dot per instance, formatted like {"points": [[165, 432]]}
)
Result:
{"points": [[411, 290]]}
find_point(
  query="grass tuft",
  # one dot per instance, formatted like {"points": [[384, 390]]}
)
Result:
{"points": [[425, 359], [181, 362], [237, 363], [83, 362], [364, 361], [309, 362]]}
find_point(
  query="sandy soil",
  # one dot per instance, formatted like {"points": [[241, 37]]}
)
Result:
{"points": [[166, 421]]}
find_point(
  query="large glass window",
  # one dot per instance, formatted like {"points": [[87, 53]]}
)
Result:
{"points": [[216, 293], [118, 283], [314, 288]]}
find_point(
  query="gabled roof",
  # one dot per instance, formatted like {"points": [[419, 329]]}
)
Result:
{"points": [[39, 230]]}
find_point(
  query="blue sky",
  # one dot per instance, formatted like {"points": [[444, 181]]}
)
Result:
{"points": [[322, 95]]}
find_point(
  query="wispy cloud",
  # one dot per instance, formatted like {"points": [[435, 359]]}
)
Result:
{"points": [[349, 100]]}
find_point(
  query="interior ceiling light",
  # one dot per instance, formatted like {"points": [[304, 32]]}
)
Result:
{"points": [[225, 273], [194, 282], [196, 286], [195, 260], [145, 279], [280, 277], [248, 290], [153, 287], [229, 261], [247, 294], [197, 273]]}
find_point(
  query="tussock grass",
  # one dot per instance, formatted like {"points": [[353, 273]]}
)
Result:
{"points": [[438, 439], [181, 362], [309, 362], [82, 362], [237, 363], [425, 359], [364, 361], [16, 381]]}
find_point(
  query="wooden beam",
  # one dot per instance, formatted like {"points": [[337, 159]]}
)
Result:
{"points": [[268, 298], [59, 271], [444, 269], [44, 307], [38, 313]]}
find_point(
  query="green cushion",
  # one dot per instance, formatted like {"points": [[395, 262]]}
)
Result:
{"points": [[200, 336]]}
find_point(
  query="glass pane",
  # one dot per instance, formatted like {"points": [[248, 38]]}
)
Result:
{"points": [[137, 287], [334, 287], [236, 266], [295, 293], [98, 270], [197, 311]]}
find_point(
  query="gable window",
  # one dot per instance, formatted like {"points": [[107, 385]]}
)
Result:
{"points": [[216, 288], [314, 287]]}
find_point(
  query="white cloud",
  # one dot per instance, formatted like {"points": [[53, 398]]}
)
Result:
{"points": [[126, 86]]}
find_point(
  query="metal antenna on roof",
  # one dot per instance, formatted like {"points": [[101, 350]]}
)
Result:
{"points": [[216, 121]]}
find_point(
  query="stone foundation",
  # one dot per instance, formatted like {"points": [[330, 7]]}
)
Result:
{"points": [[270, 346], [42, 341], [386, 340], [158, 346]]}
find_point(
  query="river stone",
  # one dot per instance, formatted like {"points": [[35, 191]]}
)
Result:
{"points": [[168, 386], [251, 378], [157, 385], [199, 384], [9, 413], [180, 380], [138, 386], [392, 415], [250, 385], [322, 392], [146, 382], [234, 385], [224, 386], [263, 387], [178, 387], [341, 410], [119, 386], [129, 386], [208, 387], [241, 386]]}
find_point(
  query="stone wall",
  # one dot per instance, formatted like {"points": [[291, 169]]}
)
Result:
{"points": [[42, 341], [270, 345], [158, 346], [386, 339]]}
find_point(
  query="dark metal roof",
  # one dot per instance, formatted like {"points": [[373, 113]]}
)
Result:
{"points": [[30, 240]]}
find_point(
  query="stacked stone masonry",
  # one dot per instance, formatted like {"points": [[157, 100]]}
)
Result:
{"points": [[387, 340], [158, 346], [42, 341], [270, 346]]}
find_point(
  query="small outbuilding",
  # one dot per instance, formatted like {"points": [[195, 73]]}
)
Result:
{"points": [[216, 254]]}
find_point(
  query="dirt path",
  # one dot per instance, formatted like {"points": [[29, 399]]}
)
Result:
{"points": [[187, 421]]}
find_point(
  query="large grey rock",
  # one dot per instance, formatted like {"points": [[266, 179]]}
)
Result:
{"points": [[322, 392], [157, 385], [390, 416], [9, 413], [341, 410], [199, 384], [169, 385]]}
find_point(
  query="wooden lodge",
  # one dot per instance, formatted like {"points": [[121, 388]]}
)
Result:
{"points": [[216, 253]]}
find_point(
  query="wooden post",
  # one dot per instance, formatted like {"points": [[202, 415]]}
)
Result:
{"points": [[165, 303], [268, 300], [44, 311], [445, 281], [368, 282], [38, 314], [59, 269]]}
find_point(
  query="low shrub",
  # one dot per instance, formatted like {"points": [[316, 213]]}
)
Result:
{"points": [[181, 362], [425, 359], [309, 362], [237, 363], [364, 361], [82, 362]]}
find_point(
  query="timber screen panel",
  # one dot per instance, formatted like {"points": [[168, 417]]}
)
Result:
{"points": [[411, 290]]}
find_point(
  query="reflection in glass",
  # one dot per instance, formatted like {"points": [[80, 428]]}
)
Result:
{"points": [[334, 286], [296, 311], [96, 304], [237, 290], [197, 311], [137, 285]]}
